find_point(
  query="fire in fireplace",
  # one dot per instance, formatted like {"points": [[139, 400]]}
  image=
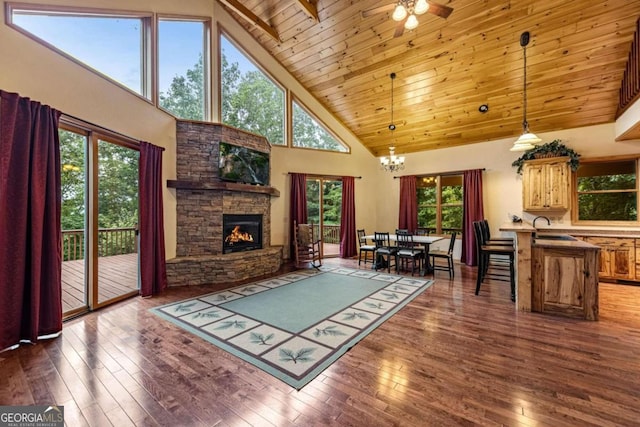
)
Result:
{"points": [[241, 232]]}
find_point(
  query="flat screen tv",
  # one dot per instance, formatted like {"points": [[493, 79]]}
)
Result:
{"points": [[241, 164]]}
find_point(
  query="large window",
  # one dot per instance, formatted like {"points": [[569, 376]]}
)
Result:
{"points": [[440, 203], [182, 71], [112, 44], [250, 99], [309, 133], [607, 191]]}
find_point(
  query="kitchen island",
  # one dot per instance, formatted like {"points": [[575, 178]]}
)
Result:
{"points": [[555, 273]]}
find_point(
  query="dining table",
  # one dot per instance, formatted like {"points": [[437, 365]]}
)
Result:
{"points": [[424, 241]]}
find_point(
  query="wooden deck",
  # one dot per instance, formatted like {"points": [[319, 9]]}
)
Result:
{"points": [[117, 275]]}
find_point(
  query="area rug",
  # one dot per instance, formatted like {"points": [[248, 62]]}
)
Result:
{"points": [[295, 325]]}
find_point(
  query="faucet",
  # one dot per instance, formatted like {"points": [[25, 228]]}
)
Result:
{"points": [[538, 217]]}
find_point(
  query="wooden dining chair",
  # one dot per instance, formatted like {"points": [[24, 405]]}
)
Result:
{"points": [[446, 255], [384, 251], [408, 252], [365, 247]]}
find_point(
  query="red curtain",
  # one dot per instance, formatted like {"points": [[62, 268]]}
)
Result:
{"points": [[472, 210], [348, 246], [408, 218], [298, 202], [153, 269], [30, 231]]}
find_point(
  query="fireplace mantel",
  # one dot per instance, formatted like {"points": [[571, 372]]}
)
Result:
{"points": [[222, 185]]}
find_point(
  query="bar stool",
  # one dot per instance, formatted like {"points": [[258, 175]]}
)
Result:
{"points": [[485, 266]]}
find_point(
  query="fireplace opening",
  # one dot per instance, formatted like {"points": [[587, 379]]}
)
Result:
{"points": [[241, 233]]}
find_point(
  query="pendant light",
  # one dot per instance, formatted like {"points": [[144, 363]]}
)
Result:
{"points": [[527, 140], [392, 163]]}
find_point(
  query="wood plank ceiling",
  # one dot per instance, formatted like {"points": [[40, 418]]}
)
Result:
{"points": [[447, 68]]}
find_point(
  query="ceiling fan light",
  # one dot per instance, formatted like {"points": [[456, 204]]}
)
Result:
{"points": [[399, 13], [421, 7], [411, 23]]}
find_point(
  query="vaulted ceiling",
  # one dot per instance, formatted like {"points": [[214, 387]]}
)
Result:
{"points": [[447, 68]]}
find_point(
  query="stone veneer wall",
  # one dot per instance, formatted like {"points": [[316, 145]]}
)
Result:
{"points": [[199, 258]]}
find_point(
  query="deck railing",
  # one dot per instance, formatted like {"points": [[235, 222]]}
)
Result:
{"points": [[111, 241], [331, 233]]}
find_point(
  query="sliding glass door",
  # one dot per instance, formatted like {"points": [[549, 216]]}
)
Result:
{"points": [[99, 220], [324, 205]]}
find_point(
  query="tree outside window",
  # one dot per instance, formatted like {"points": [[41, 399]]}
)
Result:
{"points": [[607, 191], [440, 200]]}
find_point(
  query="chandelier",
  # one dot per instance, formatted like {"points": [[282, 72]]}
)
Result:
{"points": [[411, 8], [392, 163], [527, 140]]}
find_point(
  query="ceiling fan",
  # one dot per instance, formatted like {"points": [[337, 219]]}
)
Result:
{"points": [[405, 11]]}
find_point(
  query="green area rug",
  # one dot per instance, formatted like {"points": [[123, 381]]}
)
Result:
{"points": [[295, 325]]}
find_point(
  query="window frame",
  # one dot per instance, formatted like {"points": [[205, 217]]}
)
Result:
{"points": [[320, 122], [575, 208], [256, 63], [206, 60], [147, 57], [439, 205]]}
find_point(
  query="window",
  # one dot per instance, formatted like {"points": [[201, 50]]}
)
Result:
{"points": [[250, 99], [182, 68], [309, 133], [607, 191], [111, 44], [440, 203]]}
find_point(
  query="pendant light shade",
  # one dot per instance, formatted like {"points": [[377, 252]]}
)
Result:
{"points": [[527, 140]]}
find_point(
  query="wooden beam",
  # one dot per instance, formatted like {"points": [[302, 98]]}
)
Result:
{"points": [[252, 17], [311, 8]]}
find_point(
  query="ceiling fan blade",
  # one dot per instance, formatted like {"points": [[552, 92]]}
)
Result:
{"points": [[440, 10], [399, 28], [379, 9]]}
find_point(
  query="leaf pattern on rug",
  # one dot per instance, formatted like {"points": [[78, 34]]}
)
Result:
{"points": [[329, 330], [260, 339], [208, 315], [390, 296], [400, 288], [355, 315], [249, 289], [218, 298], [238, 324], [379, 306], [184, 307], [302, 355]]}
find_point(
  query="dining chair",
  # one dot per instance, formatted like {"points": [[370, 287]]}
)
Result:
{"points": [[488, 269], [446, 255], [408, 252], [384, 251], [365, 247], [422, 231]]}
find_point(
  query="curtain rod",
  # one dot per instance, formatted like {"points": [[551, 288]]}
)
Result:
{"points": [[76, 121], [442, 173], [321, 175]]}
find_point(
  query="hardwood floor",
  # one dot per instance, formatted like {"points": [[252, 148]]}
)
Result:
{"points": [[447, 358]]}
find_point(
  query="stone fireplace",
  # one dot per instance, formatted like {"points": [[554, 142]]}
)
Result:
{"points": [[204, 201]]}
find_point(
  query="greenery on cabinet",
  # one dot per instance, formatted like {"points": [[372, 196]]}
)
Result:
{"points": [[554, 148]]}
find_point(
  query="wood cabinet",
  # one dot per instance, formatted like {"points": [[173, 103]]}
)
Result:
{"points": [[617, 257], [565, 281], [545, 184]]}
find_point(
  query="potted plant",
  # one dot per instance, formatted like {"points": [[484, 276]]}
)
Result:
{"points": [[554, 148]]}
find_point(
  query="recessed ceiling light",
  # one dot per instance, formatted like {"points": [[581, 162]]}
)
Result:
{"points": [[483, 108]]}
